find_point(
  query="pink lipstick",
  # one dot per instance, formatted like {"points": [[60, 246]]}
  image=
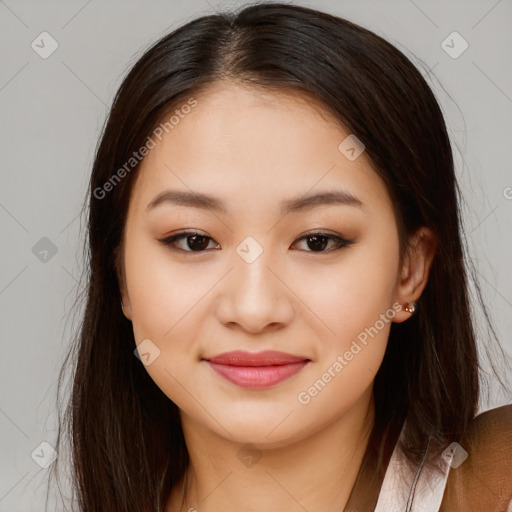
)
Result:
{"points": [[256, 369]]}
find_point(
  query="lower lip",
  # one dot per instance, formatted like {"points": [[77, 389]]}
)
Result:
{"points": [[257, 376]]}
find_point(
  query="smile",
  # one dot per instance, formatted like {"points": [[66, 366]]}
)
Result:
{"points": [[257, 370]]}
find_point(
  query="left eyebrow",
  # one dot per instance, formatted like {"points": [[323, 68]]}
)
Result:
{"points": [[302, 203], [331, 197]]}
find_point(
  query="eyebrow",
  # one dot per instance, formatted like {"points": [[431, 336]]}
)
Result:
{"points": [[303, 203]]}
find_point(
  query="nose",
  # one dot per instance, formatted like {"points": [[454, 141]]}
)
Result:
{"points": [[255, 297]]}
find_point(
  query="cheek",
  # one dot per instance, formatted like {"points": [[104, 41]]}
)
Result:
{"points": [[352, 294], [166, 302], [161, 293]]}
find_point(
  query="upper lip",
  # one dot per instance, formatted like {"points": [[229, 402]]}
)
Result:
{"points": [[265, 358]]}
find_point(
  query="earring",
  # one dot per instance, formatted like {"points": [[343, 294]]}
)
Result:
{"points": [[122, 306], [410, 307]]}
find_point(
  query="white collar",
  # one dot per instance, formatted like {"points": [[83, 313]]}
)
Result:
{"points": [[407, 489]]}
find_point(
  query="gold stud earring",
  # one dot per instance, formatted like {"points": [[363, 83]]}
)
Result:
{"points": [[410, 307]]}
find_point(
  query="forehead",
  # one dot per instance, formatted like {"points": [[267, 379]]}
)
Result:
{"points": [[255, 146]]}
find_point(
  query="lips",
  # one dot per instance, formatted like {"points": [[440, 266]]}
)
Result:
{"points": [[266, 358], [257, 370]]}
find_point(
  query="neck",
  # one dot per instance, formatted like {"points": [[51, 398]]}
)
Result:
{"points": [[316, 472]]}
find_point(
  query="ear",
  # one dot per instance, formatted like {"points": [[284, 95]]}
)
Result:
{"points": [[121, 279], [413, 275]]}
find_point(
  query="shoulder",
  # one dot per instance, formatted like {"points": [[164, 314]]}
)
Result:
{"points": [[483, 481]]}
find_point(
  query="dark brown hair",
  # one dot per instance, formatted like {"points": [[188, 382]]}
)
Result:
{"points": [[125, 438]]}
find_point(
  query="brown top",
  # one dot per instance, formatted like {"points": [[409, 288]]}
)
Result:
{"points": [[482, 483]]}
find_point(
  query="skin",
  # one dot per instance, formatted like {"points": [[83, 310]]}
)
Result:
{"points": [[254, 149]]}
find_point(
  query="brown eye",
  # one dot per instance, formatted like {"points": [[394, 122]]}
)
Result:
{"points": [[319, 241], [198, 242], [194, 241]]}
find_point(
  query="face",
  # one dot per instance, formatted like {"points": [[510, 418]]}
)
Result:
{"points": [[266, 268]]}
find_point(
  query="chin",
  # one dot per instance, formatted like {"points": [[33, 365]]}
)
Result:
{"points": [[265, 431]]}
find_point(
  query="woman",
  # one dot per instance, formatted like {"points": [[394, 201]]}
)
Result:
{"points": [[273, 203]]}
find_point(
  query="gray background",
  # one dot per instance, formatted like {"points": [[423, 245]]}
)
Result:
{"points": [[52, 111]]}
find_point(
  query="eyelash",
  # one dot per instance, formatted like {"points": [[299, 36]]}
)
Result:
{"points": [[341, 242]]}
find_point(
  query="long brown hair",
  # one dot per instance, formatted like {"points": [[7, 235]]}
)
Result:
{"points": [[126, 443]]}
